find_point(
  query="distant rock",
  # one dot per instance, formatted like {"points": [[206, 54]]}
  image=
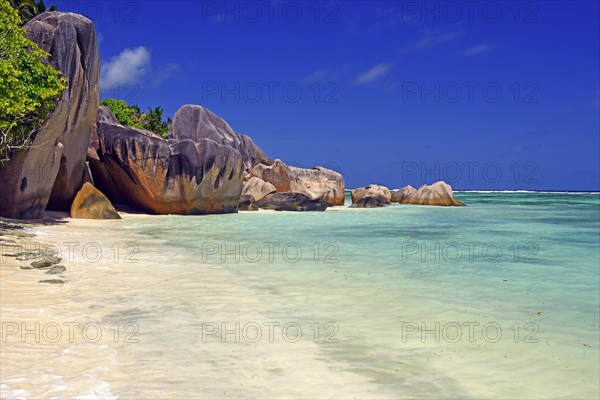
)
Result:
{"points": [[247, 203], [53, 281], [276, 174], [375, 191], [369, 202], [46, 261], [257, 188], [288, 201], [399, 195], [56, 270], [316, 183], [90, 203], [196, 123], [437, 194], [51, 171], [137, 169]]}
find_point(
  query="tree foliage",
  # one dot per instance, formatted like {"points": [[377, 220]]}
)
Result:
{"points": [[29, 87], [132, 116], [28, 9]]}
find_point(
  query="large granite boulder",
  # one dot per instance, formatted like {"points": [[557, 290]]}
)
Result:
{"points": [[369, 202], [379, 192], [276, 174], [398, 196], [138, 169], [437, 194], [52, 170], [290, 202], [196, 122], [90, 203], [317, 183], [247, 203], [257, 188]]}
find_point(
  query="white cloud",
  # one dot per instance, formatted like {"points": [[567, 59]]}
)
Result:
{"points": [[374, 73], [476, 50], [127, 67]]}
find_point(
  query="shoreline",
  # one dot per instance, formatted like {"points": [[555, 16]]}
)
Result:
{"points": [[79, 366], [170, 292]]}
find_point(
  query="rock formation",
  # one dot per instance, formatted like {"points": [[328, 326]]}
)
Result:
{"points": [[247, 203], [399, 195], [277, 175], [195, 123], [51, 171], [378, 192], [90, 203], [369, 202], [290, 202], [317, 183], [135, 168], [437, 194], [257, 188]]}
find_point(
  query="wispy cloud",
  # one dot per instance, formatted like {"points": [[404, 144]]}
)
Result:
{"points": [[525, 148], [376, 72], [169, 71], [476, 50], [127, 67], [315, 76], [428, 38]]}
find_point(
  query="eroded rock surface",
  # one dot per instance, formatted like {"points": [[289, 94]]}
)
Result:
{"points": [[51, 171], [148, 173]]}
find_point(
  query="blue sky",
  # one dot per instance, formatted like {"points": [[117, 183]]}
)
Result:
{"points": [[485, 95]]}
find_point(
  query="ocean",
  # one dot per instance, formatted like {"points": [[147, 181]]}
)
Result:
{"points": [[498, 299]]}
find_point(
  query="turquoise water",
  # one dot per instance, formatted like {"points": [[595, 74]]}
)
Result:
{"points": [[498, 299], [512, 280]]}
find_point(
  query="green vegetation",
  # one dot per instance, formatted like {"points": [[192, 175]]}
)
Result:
{"points": [[29, 87], [30, 8], [132, 116]]}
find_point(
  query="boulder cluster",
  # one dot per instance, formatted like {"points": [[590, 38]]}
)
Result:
{"points": [[83, 161], [437, 194]]}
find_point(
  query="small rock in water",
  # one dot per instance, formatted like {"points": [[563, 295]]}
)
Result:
{"points": [[46, 262], [57, 269], [26, 267], [53, 281], [25, 255]]}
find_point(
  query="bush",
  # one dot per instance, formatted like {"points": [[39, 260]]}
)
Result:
{"points": [[132, 116]]}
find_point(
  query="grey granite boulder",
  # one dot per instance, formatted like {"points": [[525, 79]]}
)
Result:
{"points": [[316, 183], [288, 201], [50, 173], [257, 188], [137, 169], [376, 191], [437, 194], [369, 202], [398, 196], [277, 174], [196, 123], [247, 203]]}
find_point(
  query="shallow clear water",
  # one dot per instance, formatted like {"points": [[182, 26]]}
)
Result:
{"points": [[497, 299]]}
